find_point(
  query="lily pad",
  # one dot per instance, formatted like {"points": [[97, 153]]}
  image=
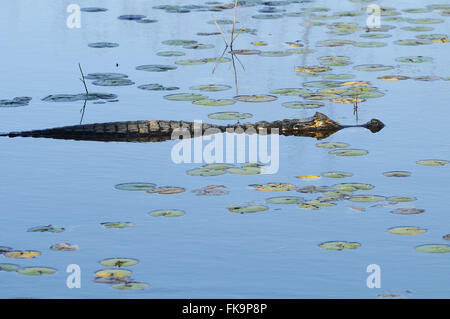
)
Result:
{"points": [[185, 97], [131, 17], [93, 9], [135, 186], [339, 245], [213, 102], [406, 230], [198, 46], [155, 68], [191, 62], [119, 262], [113, 82], [113, 273], [349, 152], [433, 162], [371, 44], [244, 170], [408, 211], [418, 29], [267, 16], [205, 172], [322, 84], [353, 186], [393, 78], [285, 200], [367, 198], [401, 199], [105, 76], [245, 52], [337, 174], [22, 254], [170, 53], [275, 53], [302, 105], [397, 174], [211, 87], [166, 190], [43, 229], [167, 213], [119, 225], [131, 286], [247, 209], [17, 101], [332, 145], [157, 87], [255, 98], [273, 187], [99, 45], [211, 190], [229, 116], [8, 267], [425, 21], [179, 42], [290, 91], [433, 249], [412, 42], [373, 67], [36, 271], [64, 247]]}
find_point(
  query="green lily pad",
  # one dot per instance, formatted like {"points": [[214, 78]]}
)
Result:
{"points": [[170, 53], [131, 286], [300, 51], [247, 209], [244, 170], [290, 91], [333, 43], [8, 267], [427, 78], [255, 98], [334, 60], [371, 44], [78, 97], [397, 174], [418, 29], [367, 198], [414, 59], [166, 190], [337, 174], [36, 271], [131, 17], [245, 52], [406, 230], [179, 42], [213, 102], [64, 247], [105, 76], [417, 10], [119, 225], [425, 21], [322, 84], [375, 35], [15, 102], [119, 262], [267, 16], [93, 9], [339, 245], [205, 172], [229, 116], [433, 162], [275, 53], [167, 213], [145, 21], [155, 68], [285, 200], [191, 62], [401, 199], [157, 87], [302, 105], [198, 46], [99, 45], [217, 60], [135, 186], [373, 67], [318, 203], [217, 166], [185, 97], [412, 42], [113, 82], [211, 87], [338, 76], [332, 145], [353, 186], [433, 249], [408, 211], [349, 152], [43, 229], [211, 190]]}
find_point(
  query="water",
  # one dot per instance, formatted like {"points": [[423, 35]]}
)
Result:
{"points": [[210, 252]]}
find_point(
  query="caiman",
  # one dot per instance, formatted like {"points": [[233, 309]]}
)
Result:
{"points": [[318, 126]]}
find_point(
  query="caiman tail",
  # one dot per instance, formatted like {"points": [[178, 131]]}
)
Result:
{"points": [[318, 126]]}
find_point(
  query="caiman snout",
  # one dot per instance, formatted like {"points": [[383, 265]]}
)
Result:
{"points": [[374, 125]]}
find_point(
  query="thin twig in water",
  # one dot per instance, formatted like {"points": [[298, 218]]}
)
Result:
{"points": [[220, 30], [87, 93], [234, 23]]}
